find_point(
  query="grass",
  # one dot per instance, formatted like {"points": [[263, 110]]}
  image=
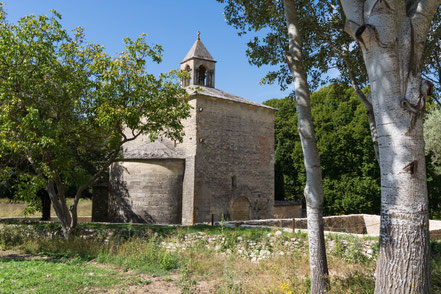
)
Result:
{"points": [[10, 208], [54, 276], [145, 256], [191, 259]]}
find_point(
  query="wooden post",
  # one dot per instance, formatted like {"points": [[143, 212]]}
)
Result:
{"points": [[212, 220], [293, 224]]}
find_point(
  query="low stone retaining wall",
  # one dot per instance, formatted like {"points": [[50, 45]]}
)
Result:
{"points": [[287, 209], [364, 224], [360, 224], [354, 224]]}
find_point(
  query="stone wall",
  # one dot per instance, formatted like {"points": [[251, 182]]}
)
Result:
{"points": [[235, 160], [188, 147], [148, 191], [354, 223], [287, 209], [126, 185], [227, 154]]}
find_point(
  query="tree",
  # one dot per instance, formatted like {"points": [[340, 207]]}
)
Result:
{"points": [[392, 36], [256, 15], [325, 46], [314, 183], [279, 187], [67, 108], [288, 146], [350, 171], [432, 137], [432, 57], [351, 176]]}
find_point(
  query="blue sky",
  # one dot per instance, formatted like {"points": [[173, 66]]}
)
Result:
{"points": [[170, 23]]}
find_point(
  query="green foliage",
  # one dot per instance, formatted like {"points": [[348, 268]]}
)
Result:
{"points": [[432, 137], [432, 53], [349, 249], [358, 282], [278, 175], [52, 276], [325, 44], [66, 107], [351, 175], [288, 145], [146, 256], [62, 269]]}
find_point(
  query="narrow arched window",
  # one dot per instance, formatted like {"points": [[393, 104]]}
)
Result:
{"points": [[202, 74]]}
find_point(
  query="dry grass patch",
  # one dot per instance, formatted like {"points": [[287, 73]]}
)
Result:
{"points": [[10, 208]]}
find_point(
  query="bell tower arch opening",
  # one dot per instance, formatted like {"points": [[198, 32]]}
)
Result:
{"points": [[200, 64], [202, 75]]}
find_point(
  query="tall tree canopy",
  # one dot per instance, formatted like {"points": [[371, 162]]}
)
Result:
{"points": [[65, 103], [351, 177], [395, 39], [432, 137]]}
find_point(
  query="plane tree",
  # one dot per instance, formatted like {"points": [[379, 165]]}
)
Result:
{"points": [[393, 36], [395, 39], [283, 20]]}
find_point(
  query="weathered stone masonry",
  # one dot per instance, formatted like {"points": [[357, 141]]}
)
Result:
{"points": [[224, 166]]}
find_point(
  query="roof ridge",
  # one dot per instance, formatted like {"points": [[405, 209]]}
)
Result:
{"points": [[216, 93]]}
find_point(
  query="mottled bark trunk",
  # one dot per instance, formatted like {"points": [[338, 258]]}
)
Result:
{"points": [[403, 264], [60, 206], [392, 36], [314, 186]]}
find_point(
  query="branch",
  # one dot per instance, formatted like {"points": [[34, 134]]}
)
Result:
{"points": [[430, 45], [421, 17], [326, 2], [438, 61], [436, 100], [425, 8], [64, 219], [103, 168], [370, 113], [353, 10], [366, 100], [429, 78]]}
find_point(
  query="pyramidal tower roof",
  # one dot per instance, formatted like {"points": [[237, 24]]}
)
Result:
{"points": [[198, 51]]}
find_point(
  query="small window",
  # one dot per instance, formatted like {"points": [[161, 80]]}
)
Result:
{"points": [[234, 181]]}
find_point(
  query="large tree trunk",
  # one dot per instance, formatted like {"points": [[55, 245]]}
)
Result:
{"points": [[60, 206], [314, 185], [392, 36]]}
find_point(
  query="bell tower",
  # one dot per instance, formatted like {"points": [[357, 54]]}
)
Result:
{"points": [[200, 64]]}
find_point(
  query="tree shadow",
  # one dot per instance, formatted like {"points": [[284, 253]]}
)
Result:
{"points": [[120, 208]]}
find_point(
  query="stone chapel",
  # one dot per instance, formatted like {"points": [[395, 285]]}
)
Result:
{"points": [[224, 166]]}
